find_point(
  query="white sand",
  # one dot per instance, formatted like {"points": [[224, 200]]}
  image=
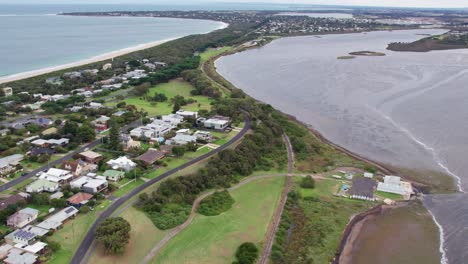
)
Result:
{"points": [[102, 57]]}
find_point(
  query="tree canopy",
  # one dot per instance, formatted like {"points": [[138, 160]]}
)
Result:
{"points": [[114, 234]]}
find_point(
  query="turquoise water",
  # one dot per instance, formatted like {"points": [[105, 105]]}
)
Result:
{"points": [[35, 41]]}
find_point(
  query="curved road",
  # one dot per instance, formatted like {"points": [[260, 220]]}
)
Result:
{"points": [[89, 237]]}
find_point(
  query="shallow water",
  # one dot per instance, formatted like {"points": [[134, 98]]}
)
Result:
{"points": [[405, 109]]}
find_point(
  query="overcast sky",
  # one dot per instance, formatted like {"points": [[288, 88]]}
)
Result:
{"points": [[402, 3]]}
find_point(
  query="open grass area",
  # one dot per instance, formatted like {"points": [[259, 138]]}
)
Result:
{"points": [[212, 52], [170, 89], [127, 188], [73, 232], [214, 239], [143, 236], [392, 196], [43, 209]]}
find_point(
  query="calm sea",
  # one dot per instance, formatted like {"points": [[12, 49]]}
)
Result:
{"points": [[33, 37], [405, 109]]}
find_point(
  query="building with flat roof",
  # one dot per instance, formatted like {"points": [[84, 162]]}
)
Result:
{"points": [[91, 156], [187, 113], [89, 184], [217, 122], [22, 217], [20, 236]]}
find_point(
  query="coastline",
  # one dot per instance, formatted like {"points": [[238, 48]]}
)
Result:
{"points": [[351, 233], [97, 58]]}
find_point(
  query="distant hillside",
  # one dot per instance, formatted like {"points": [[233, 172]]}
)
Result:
{"points": [[446, 41]]}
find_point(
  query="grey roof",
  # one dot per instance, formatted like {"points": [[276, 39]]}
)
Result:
{"points": [[23, 234], [363, 187]]}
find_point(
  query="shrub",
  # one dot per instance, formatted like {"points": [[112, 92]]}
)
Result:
{"points": [[308, 182], [216, 203], [247, 253]]}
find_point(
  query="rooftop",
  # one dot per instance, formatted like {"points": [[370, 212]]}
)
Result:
{"points": [[90, 154], [363, 187], [80, 198], [151, 156]]}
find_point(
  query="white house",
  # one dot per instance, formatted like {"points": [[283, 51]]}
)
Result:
{"points": [[89, 185], [42, 185], [187, 113], [368, 175], [123, 163], [203, 136], [8, 91], [172, 119], [8, 163], [22, 217], [217, 122], [182, 139], [57, 175]]}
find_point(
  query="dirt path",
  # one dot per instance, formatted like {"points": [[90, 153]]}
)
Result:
{"points": [[271, 233], [196, 203]]}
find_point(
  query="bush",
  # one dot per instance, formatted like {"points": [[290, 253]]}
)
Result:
{"points": [[216, 203], [308, 182], [54, 246], [84, 209], [114, 234], [171, 215], [247, 253]]}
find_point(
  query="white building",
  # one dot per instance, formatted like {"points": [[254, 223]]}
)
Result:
{"points": [[57, 175], [157, 128], [89, 185], [57, 220], [8, 163], [173, 119], [393, 184], [182, 139], [22, 217], [187, 113], [123, 163], [107, 66], [203, 136], [369, 175], [8, 91], [217, 122]]}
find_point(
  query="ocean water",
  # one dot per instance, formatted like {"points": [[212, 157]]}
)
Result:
{"points": [[404, 109], [36, 38]]}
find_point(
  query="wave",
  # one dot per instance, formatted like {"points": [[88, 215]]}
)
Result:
{"points": [[443, 254]]}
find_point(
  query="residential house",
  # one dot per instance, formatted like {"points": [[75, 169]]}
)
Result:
{"points": [[56, 221], [10, 163], [182, 139], [157, 128], [128, 142], [18, 256], [91, 156], [114, 175], [136, 74], [363, 189], [94, 105], [123, 163], [79, 199], [5, 250], [217, 122], [40, 232], [90, 185], [100, 124], [151, 156], [119, 113], [62, 142], [57, 175], [20, 236], [107, 66], [369, 175], [74, 167], [172, 119], [167, 149], [187, 113], [203, 136], [8, 91], [42, 185], [22, 217], [150, 66], [54, 81], [14, 199], [36, 248], [56, 195]]}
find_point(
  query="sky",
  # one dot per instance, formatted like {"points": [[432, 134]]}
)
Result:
{"points": [[399, 3]]}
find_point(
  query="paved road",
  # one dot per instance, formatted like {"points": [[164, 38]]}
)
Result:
{"points": [[89, 237], [54, 163]]}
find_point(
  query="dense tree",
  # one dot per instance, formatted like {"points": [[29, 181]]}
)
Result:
{"points": [[308, 182], [114, 137], [247, 253], [114, 234]]}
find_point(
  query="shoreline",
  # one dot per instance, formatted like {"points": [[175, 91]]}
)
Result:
{"points": [[97, 58]]}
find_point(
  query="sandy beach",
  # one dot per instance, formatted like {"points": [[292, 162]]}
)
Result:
{"points": [[102, 57]]}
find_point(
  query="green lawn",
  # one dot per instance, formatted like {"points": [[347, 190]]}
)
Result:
{"points": [[214, 239], [211, 52], [143, 236], [170, 89], [72, 233], [127, 188], [43, 209], [392, 196]]}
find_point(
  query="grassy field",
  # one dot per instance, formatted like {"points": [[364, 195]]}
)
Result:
{"points": [[143, 236], [392, 196], [212, 52], [72, 233], [214, 239], [170, 89]]}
